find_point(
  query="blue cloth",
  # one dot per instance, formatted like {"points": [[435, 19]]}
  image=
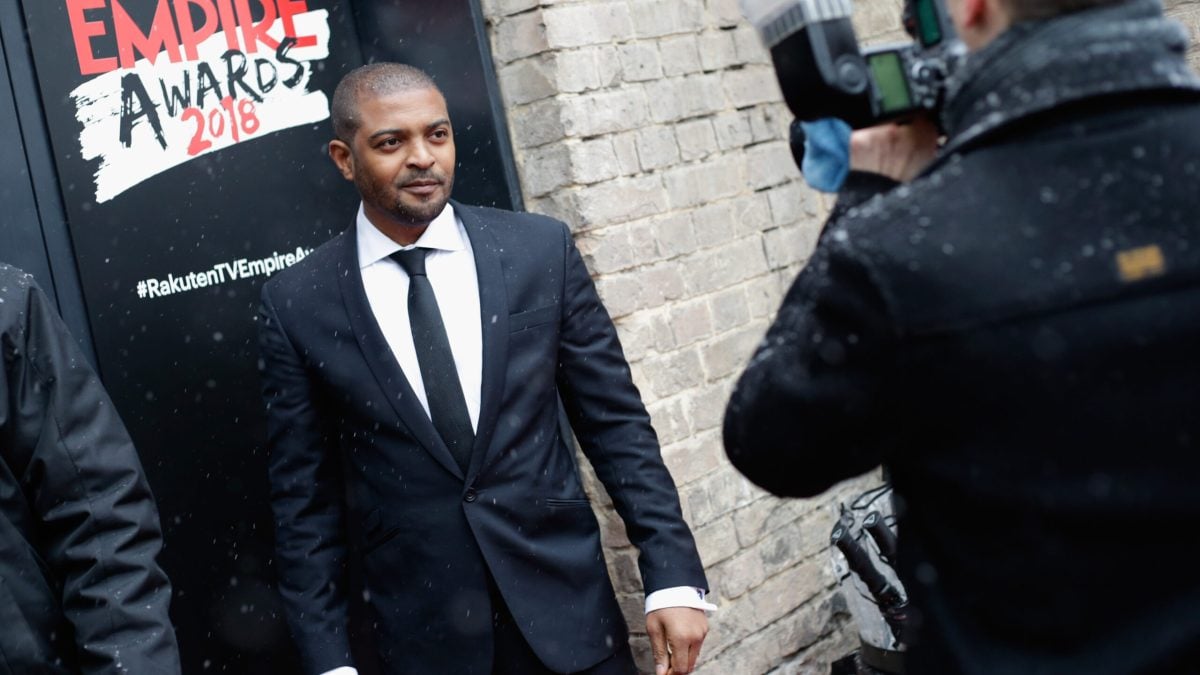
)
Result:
{"points": [[826, 154]]}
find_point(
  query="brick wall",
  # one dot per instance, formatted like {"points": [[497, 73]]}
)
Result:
{"points": [[655, 129], [1188, 12]]}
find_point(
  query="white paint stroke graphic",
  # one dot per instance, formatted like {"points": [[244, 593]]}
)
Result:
{"points": [[98, 104]]}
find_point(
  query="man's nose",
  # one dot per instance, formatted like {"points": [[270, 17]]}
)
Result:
{"points": [[421, 157]]}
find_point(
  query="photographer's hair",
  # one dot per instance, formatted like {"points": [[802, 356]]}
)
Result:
{"points": [[1036, 10], [374, 79]]}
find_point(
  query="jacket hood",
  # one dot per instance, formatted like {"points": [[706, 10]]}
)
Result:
{"points": [[1039, 65]]}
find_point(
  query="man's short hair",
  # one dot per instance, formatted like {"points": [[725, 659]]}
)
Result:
{"points": [[374, 79], [1035, 10]]}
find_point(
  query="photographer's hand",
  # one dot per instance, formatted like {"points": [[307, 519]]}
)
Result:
{"points": [[898, 151]]}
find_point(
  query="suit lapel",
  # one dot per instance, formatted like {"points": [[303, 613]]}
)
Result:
{"points": [[493, 315], [378, 354]]}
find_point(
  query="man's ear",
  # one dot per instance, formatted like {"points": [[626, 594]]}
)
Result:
{"points": [[343, 157]]}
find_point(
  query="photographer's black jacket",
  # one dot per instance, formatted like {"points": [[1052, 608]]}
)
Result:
{"points": [[1016, 336], [80, 591]]}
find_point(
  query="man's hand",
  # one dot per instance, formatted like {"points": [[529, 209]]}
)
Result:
{"points": [[676, 634], [898, 151]]}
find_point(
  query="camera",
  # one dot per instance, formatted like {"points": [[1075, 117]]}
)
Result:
{"points": [[823, 72]]}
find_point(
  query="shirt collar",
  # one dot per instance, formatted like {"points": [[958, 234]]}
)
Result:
{"points": [[442, 234]]}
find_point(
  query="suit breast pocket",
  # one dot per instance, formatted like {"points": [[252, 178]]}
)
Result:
{"points": [[520, 321]]}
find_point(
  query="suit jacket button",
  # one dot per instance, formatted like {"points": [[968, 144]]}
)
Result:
{"points": [[470, 496]]}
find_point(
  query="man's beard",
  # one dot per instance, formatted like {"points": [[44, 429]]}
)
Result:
{"points": [[405, 214]]}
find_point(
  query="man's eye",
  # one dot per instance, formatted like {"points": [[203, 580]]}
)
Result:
{"points": [[390, 143]]}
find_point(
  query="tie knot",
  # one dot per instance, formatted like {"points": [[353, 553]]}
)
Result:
{"points": [[412, 260]]}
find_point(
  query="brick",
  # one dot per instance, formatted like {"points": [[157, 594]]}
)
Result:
{"points": [[696, 138], [623, 569], [637, 335], [639, 62], [716, 541], [660, 284], [612, 528], [670, 374], [706, 408], [669, 421], [697, 184], [608, 65], [625, 148], [750, 86], [729, 307], [593, 161], [739, 574], [537, 123], [586, 23], [716, 495], [769, 122], [725, 13], [765, 294], [575, 71], [620, 293], [749, 47], [752, 213], [664, 339], [788, 590], [559, 205], [715, 224], [770, 164], [733, 130], [791, 203], [693, 458], [620, 200], [690, 96], [691, 322], [680, 55], [789, 245], [604, 112], [546, 169], [632, 606], [713, 270], [874, 21], [655, 18], [507, 7], [728, 354], [657, 147], [519, 36], [674, 234], [607, 250], [817, 658], [526, 81], [808, 624], [717, 50]]}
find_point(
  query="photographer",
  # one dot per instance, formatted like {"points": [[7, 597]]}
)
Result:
{"points": [[1010, 324]]}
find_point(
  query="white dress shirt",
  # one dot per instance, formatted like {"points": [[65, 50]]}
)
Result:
{"points": [[450, 267]]}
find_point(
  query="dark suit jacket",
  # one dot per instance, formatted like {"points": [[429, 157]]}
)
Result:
{"points": [[356, 466]]}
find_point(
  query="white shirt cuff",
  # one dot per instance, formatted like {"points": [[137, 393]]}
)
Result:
{"points": [[344, 670], [678, 596]]}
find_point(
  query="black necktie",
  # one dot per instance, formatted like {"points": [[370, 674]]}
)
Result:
{"points": [[447, 406]]}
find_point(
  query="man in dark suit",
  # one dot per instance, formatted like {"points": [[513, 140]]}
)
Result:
{"points": [[413, 370]]}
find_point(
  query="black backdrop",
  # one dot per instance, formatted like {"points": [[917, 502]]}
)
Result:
{"points": [[182, 367]]}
